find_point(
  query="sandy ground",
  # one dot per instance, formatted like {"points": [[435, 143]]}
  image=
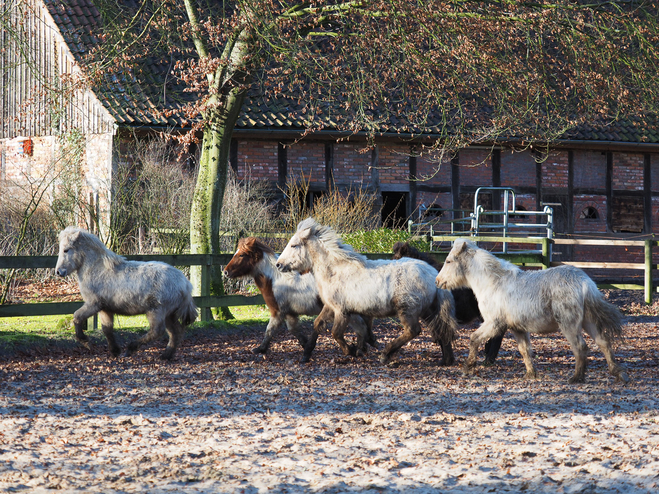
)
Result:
{"points": [[220, 419]]}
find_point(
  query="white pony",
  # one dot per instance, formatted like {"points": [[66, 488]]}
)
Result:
{"points": [[349, 283], [561, 299], [287, 295], [111, 285]]}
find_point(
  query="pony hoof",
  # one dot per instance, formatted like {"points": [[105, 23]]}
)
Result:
{"points": [[531, 376], [577, 379], [623, 377], [167, 356], [385, 359], [259, 349]]}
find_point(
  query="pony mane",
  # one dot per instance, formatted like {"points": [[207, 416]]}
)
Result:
{"points": [[331, 241], [253, 245], [88, 241], [494, 266]]}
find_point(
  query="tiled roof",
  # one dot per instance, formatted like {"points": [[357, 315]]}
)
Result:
{"points": [[140, 103]]}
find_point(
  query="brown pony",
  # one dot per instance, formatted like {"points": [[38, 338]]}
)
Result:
{"points": [[466, 305], [287, 295]]}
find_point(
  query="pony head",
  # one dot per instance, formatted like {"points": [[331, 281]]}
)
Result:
{"points": [[295, 257], [249, 253], [69, 258], [77, 246], [453, 273]]}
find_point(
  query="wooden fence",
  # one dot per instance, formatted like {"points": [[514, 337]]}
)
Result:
{"points": [[539, 257]]}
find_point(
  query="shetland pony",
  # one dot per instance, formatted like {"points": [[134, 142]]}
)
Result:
{"points": [[466, 305], [561, 299], [111, 285], [287, 295], [349, 283]]}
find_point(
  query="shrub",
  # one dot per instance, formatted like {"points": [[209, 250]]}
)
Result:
{"points": [[380, 240]]}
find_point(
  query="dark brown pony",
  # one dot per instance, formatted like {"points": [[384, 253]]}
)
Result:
{"points": [[466, 305], [287, 295]]}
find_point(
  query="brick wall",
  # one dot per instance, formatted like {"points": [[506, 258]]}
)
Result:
{"points": [[627, 171], [589, 169], [517, 169], [431, 170], [393, 165], [555, 170], [307, 159], [475, 168], [351, 164], [258, 160], [586, 225]]}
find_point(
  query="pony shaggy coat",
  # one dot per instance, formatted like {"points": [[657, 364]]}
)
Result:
{"points": [[287, 295], [111, 285], [348, 283], [466, 305], [561, 299]]}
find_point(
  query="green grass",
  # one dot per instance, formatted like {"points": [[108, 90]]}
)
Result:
{"points": [[41, 331]]}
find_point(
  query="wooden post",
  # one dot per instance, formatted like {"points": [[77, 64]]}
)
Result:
{"points": [[206, 289], [546, 261], [648, 271]]}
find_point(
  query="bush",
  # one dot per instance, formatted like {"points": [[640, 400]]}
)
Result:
{"points": [[346, 212], [380, 240]]}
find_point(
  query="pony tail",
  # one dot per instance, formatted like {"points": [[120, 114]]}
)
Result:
{"points": [[443, 325], [187, 313], [605, 316]]}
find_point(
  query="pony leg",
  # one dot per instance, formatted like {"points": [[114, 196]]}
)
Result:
{"points": [[156, 330], [492, 347], [579, 348], [175, 332], [274, 324], [411, 330], [524, 345], [604, 345], [370, 338], [363, 333], [485, 332], [80, 322], [107, 325], [292, 324], [338, 332], [326, 315]]}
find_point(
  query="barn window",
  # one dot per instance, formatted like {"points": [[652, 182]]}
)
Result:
{"points": [[589, 213], [627, 213]]}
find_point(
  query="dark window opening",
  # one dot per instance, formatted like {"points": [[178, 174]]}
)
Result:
{"points": [[394, 209], [627, 213], [589, 213]]}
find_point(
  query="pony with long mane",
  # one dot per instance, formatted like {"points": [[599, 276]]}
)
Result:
{"points": [[111, 285], [349, 283], [466, 305], [287, 295], [561, 299]]}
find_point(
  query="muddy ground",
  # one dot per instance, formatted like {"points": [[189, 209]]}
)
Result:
{"points": [[221, 419]]}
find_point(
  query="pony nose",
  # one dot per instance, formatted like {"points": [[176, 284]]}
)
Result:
{"points": [[281, 267], [61, 272]]}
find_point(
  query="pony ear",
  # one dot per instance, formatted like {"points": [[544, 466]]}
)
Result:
{"points": [[461, 246], [304, 234], [74, 237]]}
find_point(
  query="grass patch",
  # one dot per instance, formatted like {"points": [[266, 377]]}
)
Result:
{"points": [[20, 333]]}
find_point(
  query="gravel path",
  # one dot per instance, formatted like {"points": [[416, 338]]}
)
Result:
{"points": [[220, 419]]}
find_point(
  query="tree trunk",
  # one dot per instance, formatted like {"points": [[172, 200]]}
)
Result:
{"points": [[209, 192]]}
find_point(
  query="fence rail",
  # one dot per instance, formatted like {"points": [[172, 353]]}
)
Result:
{"points": [[205, 301]]}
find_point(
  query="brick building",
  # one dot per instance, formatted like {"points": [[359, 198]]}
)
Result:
{"points": [[600, 180]]}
